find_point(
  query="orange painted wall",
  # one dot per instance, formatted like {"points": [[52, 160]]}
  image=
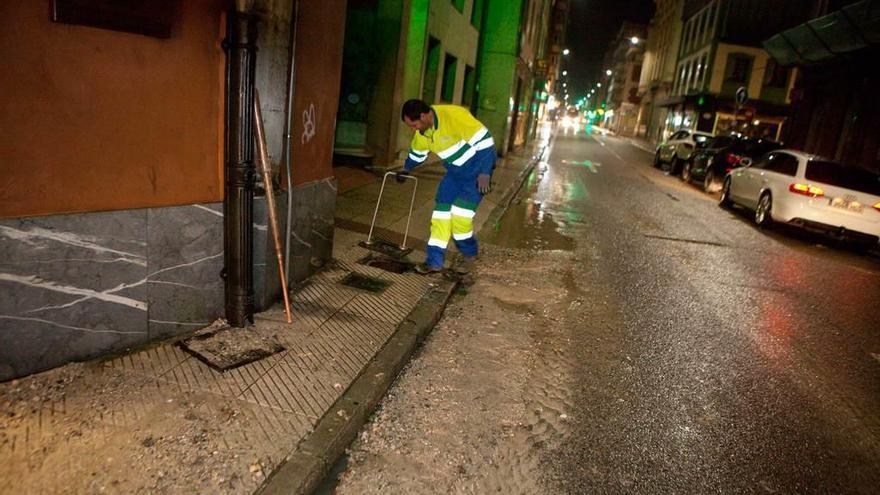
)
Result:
{"points": [[319, 40], [93, 119]]}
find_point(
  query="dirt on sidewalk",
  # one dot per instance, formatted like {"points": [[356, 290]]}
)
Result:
{"points": [[489, 394]]}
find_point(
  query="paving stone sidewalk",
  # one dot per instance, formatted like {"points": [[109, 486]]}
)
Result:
{"points": [[160, 421]]}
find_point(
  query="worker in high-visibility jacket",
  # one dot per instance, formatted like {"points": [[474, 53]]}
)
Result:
{"points": [[468, 153]]}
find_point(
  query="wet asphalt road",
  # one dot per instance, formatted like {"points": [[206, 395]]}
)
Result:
{"points": [[721, 358]]}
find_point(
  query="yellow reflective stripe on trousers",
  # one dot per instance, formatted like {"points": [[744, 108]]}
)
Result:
{"points": [[441, 228], [458, 211], [462, 227]]}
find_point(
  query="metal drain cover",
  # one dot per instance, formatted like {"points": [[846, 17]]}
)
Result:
{"points": [[363, 282]]}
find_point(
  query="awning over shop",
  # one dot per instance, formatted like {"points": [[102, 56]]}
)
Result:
{"points": [[851, 28]]}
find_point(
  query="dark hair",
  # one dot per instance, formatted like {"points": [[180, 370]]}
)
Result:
{"points": [[413, 109]]}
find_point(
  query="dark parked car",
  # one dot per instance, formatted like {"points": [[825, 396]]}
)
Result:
{"points": [[721, 155]]}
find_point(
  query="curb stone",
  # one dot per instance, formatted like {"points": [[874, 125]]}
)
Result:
{"points": [[305, 469]]}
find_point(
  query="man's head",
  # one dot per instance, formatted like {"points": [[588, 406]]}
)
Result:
{"points": [[417, 114]]}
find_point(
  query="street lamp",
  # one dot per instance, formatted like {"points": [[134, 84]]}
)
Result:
{"points": [[565, 73], [564, 85], [634, 40], [566, 51], [598, 85], [607, 72]]}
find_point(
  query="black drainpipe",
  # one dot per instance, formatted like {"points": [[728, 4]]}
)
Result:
{"points": [[238, 200]]}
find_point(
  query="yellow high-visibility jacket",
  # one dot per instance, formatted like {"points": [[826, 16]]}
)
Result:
{"points": [[460, 140]]}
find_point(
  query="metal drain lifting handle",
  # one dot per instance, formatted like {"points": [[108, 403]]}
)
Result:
{"points": [[379, 201]]}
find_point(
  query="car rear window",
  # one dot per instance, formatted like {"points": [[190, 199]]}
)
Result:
{"points": [[836, 174], [755, 148], [721, 142]]}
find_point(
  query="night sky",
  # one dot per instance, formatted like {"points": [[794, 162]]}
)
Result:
{"points": [[592, 25]]}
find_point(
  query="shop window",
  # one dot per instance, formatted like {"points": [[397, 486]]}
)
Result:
{"points": [[447, 90]]}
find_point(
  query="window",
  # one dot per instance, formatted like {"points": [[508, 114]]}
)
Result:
{"points": [[721, 142], [477, 14], [775, 75], [447, 90], [432, 66], [636, 73], [738, 68], [782, 163], [835, 174], [467, 97]]}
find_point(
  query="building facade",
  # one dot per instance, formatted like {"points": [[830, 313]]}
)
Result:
{"points": [[659, 68], [112, 216], [835, 104], [625, 56], [488, 55], [720, 53]]}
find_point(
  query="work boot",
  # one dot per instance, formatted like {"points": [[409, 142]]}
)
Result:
{"points": [[426, 269], [465, 265]]}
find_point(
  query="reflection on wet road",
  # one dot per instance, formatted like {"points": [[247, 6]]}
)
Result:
{"points": [[721, 357]]}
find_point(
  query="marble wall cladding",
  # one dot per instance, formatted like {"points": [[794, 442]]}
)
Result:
{"points": [[184, 261], [74, 287], [323, 220], [311, 238], [71, 287]]}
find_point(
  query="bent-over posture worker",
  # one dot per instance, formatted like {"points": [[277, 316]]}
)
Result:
{"points": [[468, 153]]}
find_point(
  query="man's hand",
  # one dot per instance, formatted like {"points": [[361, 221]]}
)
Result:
{"points": [[400, 176], [484, 184]]}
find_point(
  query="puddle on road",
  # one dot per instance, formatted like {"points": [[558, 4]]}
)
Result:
{"points": [[527, 224]]}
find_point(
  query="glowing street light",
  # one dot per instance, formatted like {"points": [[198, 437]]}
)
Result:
{"points": [[634, 40], [566, 51], [564, 85], [607, 72], [598, 85]]}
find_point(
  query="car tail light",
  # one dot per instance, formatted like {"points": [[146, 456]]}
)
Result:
{"points": [[733, 159], [807, 190]]}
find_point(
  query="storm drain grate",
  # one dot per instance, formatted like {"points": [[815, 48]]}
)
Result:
{"points": [[363, 282]]}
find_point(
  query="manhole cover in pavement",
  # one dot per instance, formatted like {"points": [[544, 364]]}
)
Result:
{"points": [[226, 347], [366, 283]]}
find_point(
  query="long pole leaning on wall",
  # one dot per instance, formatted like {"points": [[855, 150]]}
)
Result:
{"points": [[265, 168], [238, 212]]}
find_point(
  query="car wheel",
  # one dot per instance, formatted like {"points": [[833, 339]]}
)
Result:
{"points": [[673, 165], [709, 181], [657, 160], [763, 216], [686, 172], [725, 201]]}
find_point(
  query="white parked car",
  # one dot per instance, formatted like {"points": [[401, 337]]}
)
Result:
{"points": [[679, 147], [808, 191]]}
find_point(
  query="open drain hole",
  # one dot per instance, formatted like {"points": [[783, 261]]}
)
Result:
{"points": [[387, 264], [363, 282]]}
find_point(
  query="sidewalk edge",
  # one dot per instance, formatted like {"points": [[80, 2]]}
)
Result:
{"points": [[304, 469], [509, 195]]}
